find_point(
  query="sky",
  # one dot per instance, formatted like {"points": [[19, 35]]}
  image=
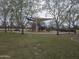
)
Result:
{"points": [[44, 14]]}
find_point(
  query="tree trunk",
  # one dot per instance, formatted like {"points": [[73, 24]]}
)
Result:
{"points": [[57, 31], [57, 27], [5, 26], [22, 30], [11, 26], [74, 29], [69, 26]]}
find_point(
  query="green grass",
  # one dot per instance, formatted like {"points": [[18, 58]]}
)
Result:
{"points": [[30, 46]]}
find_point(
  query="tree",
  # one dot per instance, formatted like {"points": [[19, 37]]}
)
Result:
{"points": [[57, 9], [74, 19], [72, 14], [18, 12], [4, 9], [34, 6], [24, 9]]}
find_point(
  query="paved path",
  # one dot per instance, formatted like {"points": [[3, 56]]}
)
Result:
{"points": [[52, 32]]}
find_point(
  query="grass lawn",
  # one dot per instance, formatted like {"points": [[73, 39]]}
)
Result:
{"points": [[30, 46]]}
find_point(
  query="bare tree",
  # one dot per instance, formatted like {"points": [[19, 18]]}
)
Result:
{"points": [[74, 19], [57, 9], [17, 12], [5, 8], [24, 9], [72, 14]]}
